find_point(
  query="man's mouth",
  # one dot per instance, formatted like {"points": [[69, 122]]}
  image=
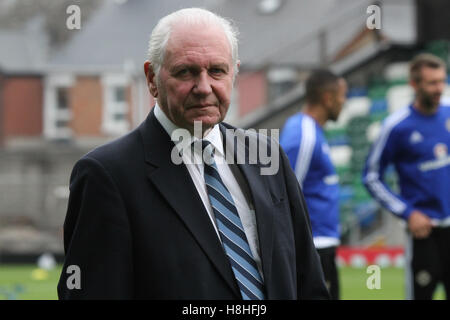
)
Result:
{"points": [[201, 106]]}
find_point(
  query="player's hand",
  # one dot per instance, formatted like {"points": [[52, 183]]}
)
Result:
{"points": [[419, 224]]}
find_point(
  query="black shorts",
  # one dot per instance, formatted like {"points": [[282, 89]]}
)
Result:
{"points": [[429, 264], [328, 261]]}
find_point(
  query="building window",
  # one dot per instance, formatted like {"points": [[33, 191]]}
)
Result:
{"points": [[115, 107], [62, 98], [57, 112], [281, 81], [120, 104], [63, 114]]}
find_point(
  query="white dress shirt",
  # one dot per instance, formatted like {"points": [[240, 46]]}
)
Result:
{"points": [[242, 202]]}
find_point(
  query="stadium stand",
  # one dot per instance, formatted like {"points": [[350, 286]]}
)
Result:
{"points": [[358, 126]]}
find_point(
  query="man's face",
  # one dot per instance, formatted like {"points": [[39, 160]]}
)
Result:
{"points": [[196, 78], [338, 98], [430, 88]]}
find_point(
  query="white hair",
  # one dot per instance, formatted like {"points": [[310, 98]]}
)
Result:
{"points": [[161, 33]]}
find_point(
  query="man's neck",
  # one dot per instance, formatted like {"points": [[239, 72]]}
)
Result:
{"points": [[169, 126], [425, 111], [316, 112]]}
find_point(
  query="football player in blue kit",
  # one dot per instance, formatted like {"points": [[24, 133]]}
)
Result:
{"points": [[303, 140], [416, 141]]}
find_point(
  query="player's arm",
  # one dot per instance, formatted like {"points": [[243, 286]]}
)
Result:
{"points": [[383, 153], [298, 141]]}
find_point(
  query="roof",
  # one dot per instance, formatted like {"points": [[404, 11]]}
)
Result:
{"points": [[288, 36], [23, 50], [118, 34]]}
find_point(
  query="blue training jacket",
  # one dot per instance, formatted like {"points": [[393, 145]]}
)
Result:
{"points": [[418, 147], [304, 142]]}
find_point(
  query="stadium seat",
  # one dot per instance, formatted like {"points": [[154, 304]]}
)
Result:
{"points": [[354, 107], [397, 72], [341, 155], [354, 92], [373, 131], [445, 100], [378, 91], [379, 106], [398, 97]]}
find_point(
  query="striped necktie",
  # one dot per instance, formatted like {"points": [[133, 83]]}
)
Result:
{"points": [[231, 230]]}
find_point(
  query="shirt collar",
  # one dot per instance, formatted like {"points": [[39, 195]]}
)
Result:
{"points": [[214, 136]]}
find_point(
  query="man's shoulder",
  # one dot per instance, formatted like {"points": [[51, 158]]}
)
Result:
{"points": [[294, 122], [117, 150], [446, 107], [296, 117], [397, 121], [292, 130], [247, 136]]}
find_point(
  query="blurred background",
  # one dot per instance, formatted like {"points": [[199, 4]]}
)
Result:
{"points": [[66, 90]]}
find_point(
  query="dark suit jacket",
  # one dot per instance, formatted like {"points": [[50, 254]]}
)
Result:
{"points": [[137, 228]]}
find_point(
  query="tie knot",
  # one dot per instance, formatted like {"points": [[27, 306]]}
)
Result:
{"points": [[207, 150], [206, 144]]}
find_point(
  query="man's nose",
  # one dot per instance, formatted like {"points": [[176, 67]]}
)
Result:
{"points": [[202, 84]]}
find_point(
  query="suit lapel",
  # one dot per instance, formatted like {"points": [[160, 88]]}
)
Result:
{"points": [[262, 202], [176, 186]]}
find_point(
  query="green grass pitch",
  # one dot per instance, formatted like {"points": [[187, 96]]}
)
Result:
{"points": [[26, 282]]}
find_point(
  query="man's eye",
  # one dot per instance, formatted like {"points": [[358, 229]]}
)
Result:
{"points": [[182, 72], [216, 71]]}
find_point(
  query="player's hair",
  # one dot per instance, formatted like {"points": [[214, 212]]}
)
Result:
{"points": [[190, 16], [424, 60], [320, 81]]}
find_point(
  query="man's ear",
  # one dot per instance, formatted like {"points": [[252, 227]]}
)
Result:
{"points": [[151, 78], [327, 98], [413, 84]]}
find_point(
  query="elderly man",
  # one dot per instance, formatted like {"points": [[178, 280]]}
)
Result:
{"points": [[140, 226]]}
